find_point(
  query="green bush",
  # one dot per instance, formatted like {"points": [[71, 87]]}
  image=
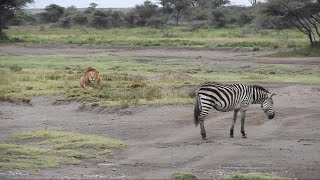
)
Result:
{"points": [[252, 176], [183, 176], [15, 68]]}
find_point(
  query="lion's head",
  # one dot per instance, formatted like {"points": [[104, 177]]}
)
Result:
{"points": [[91, 77]]}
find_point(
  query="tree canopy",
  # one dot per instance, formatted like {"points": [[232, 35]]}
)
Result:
{"points": [[9, 9], [303, 14]]}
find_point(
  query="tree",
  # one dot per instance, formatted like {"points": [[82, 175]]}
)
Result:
{"points": [[218, 3], [52, 13], [213, 4], [180, 8], [167, 10], [303, 14], [132, 18], [253, 2], [117, 18], [204, 10], [92, 7], [69, 11], [8, 11], [244, 19], [100, 19], [145, 11], [218, 19], [79, 19]]}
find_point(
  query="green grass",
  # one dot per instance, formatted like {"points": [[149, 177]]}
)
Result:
{"points": [[63, 140], [127, 81], [183, 176], [53, 149], [169, 36], [14, 156], [252, 176], [304, 52]]}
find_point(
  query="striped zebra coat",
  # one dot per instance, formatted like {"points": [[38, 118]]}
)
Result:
{"points": [[230, 97]]}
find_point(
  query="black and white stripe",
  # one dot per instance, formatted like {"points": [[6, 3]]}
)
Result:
{"points": [[228, 97]]}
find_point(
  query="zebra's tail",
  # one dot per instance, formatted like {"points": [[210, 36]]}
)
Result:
{"points": [[197, 110]]}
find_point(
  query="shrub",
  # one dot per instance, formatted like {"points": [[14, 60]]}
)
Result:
{"points": [[156, 22], [183, 176], [15, 68], [251, 176], [152, 93], [65, 22], [100, 19], [218, 19], [196, 25], [244, 19], [79, 19]]}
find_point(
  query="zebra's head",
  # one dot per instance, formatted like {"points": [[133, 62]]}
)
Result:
{"points": [[267, 106]]}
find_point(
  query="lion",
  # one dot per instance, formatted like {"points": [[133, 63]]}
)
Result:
{"points": [[91, 78]]}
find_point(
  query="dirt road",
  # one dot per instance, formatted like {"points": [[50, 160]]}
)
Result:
{"points": [[162, 140]]}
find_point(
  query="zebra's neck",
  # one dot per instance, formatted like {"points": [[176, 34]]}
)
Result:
{"points": [[258, 95]]}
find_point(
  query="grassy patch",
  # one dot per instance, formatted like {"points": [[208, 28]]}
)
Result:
{"points": [[127, 81], [63, 140], [170, 36], [304, 52], [183, 176], [252, 176], [54, 148], [29, 157]]}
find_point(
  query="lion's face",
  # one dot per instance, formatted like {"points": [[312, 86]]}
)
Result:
{"points": [[93, 76]]}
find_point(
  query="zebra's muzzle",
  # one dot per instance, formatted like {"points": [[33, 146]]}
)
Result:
{"points": [[271, 116]]}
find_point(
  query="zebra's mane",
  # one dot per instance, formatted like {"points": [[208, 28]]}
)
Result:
{"points": [[217, 83], [260, 88]]}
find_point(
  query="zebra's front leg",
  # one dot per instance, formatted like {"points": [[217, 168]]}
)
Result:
{"points": [[235, 113], [243, 116], [203, 130]]}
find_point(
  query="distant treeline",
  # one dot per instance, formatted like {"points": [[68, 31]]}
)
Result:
{"points": [[277, 14], [196, 14]]}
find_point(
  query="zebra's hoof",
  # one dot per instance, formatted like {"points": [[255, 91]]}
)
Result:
{"points": [[231, 136], [204, 136], [244, 137]]}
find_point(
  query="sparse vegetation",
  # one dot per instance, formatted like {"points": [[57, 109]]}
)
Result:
{"points": [[127, 81], [183, 176], [170, 36], [47, 149], [15, 68], [252, 176], [304, 52]]}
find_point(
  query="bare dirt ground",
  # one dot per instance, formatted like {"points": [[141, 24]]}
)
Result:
{"points": [[162, 140]]}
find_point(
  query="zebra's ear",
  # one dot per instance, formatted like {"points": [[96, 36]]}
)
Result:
{"points": [[273, 95]]}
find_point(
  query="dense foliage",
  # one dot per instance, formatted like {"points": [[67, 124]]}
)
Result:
{"points": [[10, 9]]}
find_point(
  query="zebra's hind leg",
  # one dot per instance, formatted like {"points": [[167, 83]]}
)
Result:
{"points": [[235, 113], [243, 116], [203, 130]]}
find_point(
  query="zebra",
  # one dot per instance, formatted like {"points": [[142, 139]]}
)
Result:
{"points": [[228, 97]]}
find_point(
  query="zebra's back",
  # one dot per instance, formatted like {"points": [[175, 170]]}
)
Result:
{"points": [[222, 97]]}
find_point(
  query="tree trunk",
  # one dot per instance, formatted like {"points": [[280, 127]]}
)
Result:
{"points": [[177, 18]]}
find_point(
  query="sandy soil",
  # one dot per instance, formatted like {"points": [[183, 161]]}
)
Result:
{"points": [[162, 140]]}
